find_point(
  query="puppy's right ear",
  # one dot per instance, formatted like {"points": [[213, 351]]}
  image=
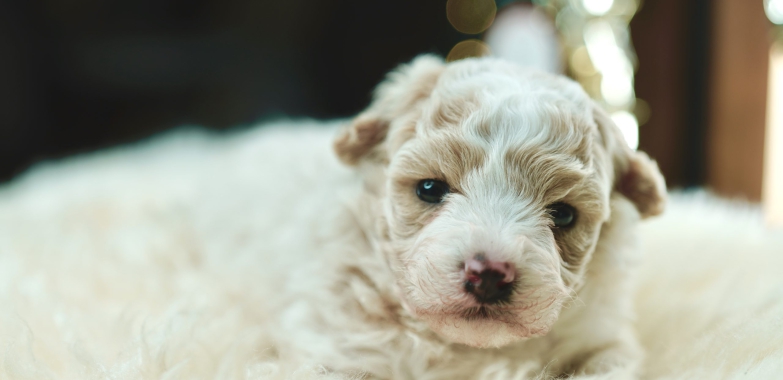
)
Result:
{"points": [[400, 94]]}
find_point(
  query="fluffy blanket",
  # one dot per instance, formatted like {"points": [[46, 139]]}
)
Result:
{"points": [[115, 266]]}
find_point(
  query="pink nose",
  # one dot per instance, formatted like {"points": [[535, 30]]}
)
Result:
{"points": [[489, 281]]}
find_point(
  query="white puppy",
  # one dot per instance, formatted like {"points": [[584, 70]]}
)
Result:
{"points": [[497, 210], [481, 225]]}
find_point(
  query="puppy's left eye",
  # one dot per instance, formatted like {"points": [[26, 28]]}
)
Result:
{"points": [[431, 190], [563, 214]]}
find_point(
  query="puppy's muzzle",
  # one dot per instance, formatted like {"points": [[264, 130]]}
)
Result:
{"points": [[489, 281]]}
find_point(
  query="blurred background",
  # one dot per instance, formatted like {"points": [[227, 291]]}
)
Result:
{"points": [[690, 82]]}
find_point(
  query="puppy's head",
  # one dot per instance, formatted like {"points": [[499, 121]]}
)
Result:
{"points": [[494, 182]]}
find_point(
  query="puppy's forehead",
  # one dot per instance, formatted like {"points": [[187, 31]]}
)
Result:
{"points": [[488, 123], [507, 106]]}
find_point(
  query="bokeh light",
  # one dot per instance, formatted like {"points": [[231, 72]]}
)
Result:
{"points": [[642, 111], [580, 62], [774, 9], [603, 49], [597, 7], [617, 88], [611, 62], [471, 16], [467, 49], [629, 126], [595, 38], [773, 150]]}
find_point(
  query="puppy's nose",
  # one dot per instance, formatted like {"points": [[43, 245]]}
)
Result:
{"points": [[489, 281]]}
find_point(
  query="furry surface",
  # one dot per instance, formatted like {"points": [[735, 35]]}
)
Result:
{"points": [[143, 263], [268, 254]]}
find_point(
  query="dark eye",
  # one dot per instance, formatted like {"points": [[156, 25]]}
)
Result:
{"points": [[563, 215], [432, 191]]}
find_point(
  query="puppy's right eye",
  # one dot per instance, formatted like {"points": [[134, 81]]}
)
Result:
{"points": [[432, 191]]}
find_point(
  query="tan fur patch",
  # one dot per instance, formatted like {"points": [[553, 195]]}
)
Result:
{"points": [[359, 139], [643, 184], [546, 175], [447, 158]]}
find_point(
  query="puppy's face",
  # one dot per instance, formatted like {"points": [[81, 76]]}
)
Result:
{"points": [[496, 185]]}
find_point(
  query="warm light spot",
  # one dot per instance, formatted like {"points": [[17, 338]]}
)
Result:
{"points": [[774, 9], [617, 88], [604, 51], [597, 7], [642, 111], [611, 61], [580, 62], [772, 195], [468, 49], [471, 16], [628, 126]]}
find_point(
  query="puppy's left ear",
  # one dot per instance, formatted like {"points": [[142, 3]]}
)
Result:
{"points": [[636, 176], [402, 91]]}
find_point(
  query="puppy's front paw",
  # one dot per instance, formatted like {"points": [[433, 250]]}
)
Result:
{"points": [[617, 361]]}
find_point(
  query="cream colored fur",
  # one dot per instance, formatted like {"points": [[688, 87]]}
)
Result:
{"points": [[253, 256]]}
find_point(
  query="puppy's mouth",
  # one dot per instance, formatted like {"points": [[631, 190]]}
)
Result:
{"points": [[504, 309], [485, 312], [484, 325], [462, 318], [470, 308]]}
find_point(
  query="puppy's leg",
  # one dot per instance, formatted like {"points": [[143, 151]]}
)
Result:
{"points": [[619, 359]]}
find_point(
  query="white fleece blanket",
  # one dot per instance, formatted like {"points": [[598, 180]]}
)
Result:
{"points": [[107, 271]]}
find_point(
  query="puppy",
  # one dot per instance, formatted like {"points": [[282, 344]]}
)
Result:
{"points": [[477, 221], [497, 211]]}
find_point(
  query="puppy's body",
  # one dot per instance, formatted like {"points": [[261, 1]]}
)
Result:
{"points": [[320, 294], [159, 261], [351, 273]]}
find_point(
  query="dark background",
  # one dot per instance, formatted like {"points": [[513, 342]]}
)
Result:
{"points": [[79, 75]]}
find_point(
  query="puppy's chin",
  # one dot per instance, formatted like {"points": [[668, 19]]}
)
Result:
{"points": [[481, 332]]}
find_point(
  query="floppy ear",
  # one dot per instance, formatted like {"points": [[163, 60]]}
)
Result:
{"points": [[636, 176], [403, 89]]}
